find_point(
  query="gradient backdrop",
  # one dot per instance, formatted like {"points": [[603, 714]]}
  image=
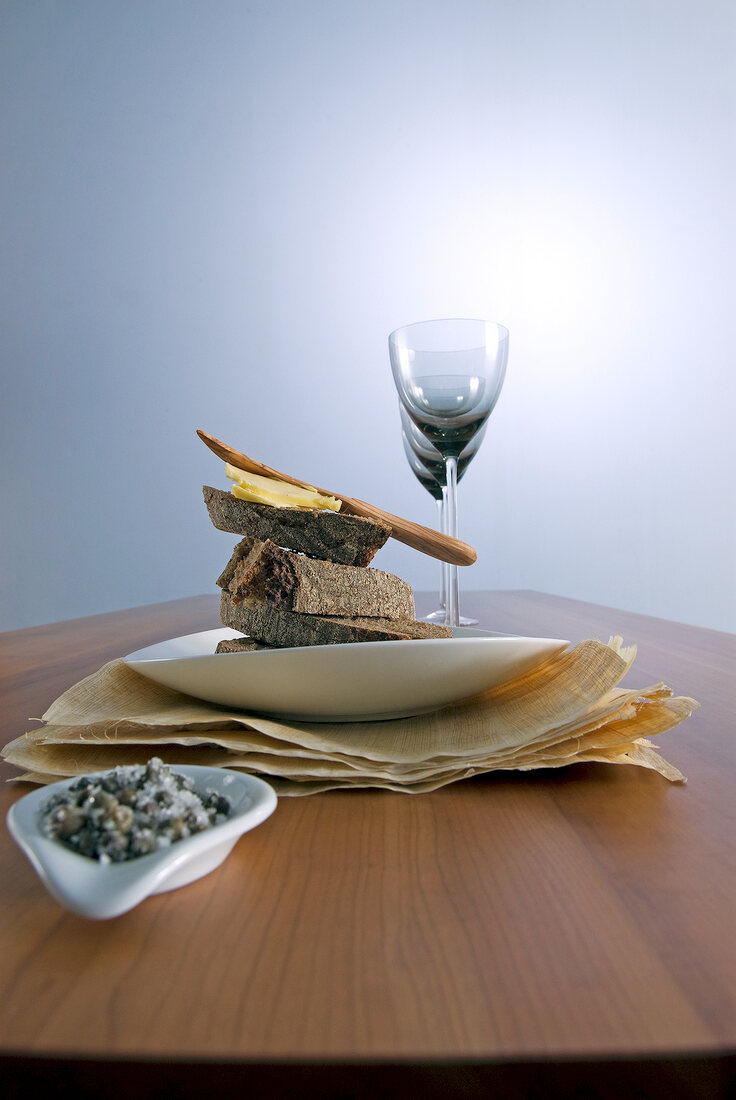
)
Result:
{"points": [[213, 212]]}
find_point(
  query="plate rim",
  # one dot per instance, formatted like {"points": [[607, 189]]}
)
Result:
{"points": [[469, 634]]}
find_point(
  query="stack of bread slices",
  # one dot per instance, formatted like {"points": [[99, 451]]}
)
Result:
{"points": [[301, 577]]}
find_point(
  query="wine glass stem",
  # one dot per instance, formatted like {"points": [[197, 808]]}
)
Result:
{"points": [[450, 498], [443, 571]]}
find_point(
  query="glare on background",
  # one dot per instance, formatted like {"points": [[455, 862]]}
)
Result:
{"points": [[214, 219]]}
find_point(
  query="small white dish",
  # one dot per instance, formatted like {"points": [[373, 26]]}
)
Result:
{"points": [[342, 683], [103, 890]]}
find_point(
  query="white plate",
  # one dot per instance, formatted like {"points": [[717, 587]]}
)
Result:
{"points": [[98, 890], [342, 683]]}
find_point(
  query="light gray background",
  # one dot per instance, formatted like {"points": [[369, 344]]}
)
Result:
{"points": [[214, 212]]}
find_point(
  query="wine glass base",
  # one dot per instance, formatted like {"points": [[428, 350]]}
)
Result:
{"points": [[440, 615]]}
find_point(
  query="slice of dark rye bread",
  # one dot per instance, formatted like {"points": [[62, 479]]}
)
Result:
{"points": [[289, 628], [293, 582], [240, 645], [333, 536]]}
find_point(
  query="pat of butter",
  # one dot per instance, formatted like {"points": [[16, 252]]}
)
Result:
{"points": [[279, 494]]}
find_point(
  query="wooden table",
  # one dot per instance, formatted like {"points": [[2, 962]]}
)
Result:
{"points": [[534, 934]]}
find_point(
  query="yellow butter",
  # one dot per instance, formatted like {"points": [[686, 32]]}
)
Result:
{"points": [[277, 493]]}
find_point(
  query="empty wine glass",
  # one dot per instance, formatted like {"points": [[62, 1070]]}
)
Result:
{"points": [[449, 374], [426, 463]]}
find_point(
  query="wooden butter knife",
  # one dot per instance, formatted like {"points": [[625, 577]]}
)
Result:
{"points": [[411, 534]]}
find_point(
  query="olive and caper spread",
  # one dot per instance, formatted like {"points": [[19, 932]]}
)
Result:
{"points": [[130, 811]]}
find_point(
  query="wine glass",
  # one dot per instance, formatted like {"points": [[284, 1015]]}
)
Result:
{"points": [[449, 374], [426, 463]]}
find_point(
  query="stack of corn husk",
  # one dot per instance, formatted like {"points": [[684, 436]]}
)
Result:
{"points": [[570, 709]]}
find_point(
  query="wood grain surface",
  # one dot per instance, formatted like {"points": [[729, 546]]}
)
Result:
{"points": [[545, 930]]}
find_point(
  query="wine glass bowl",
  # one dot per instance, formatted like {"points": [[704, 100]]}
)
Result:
{"points": [[448, 375], [427, 465], [426, 461], [422, 472]]}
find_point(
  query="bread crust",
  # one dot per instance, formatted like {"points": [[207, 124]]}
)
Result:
{"points": [[240, 645], [311, 586], [277, 627], [331, 536]]}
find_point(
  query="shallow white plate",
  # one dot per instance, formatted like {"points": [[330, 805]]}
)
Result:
{"points": [[98, 890], [342, 683]]}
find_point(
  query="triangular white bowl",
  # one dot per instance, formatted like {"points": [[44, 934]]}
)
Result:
{"points": [[343, 683]]}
